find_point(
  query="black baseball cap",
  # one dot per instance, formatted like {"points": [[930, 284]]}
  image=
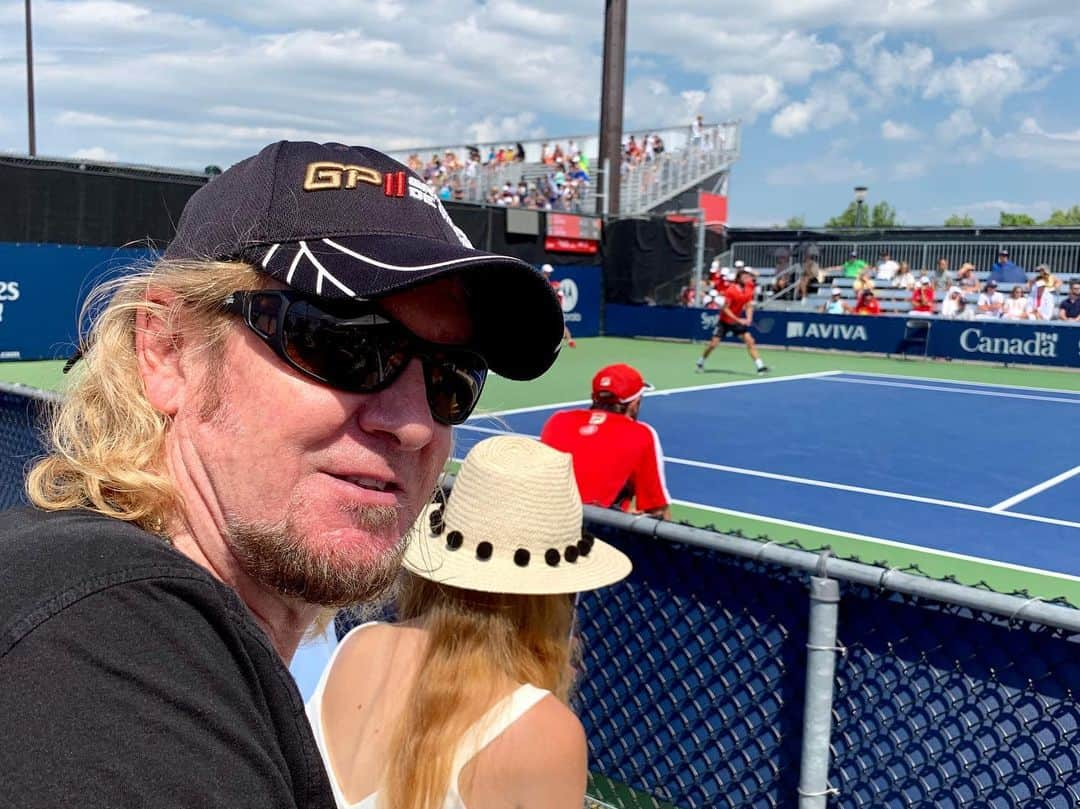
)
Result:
{"points": [[343, 222]]}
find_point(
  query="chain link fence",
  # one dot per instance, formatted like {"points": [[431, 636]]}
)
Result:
{"points": [[694, 690]]}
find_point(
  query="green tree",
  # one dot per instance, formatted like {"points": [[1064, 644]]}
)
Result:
{"points": [[882, 215], [1016, 220], [847, 219], [958, 221], [795, 223], [1066, 218]]}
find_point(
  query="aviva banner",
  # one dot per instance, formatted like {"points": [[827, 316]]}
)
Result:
{"points": [[42, 287], [1042, 343]]}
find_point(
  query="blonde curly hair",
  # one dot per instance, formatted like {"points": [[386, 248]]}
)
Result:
{"points": [[105, 438]]}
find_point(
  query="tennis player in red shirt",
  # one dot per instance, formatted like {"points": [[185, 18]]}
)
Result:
{"points": [[617, 459], [736, 315]]}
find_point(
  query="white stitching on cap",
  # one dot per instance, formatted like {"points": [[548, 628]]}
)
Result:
{"points": [[270, 254], [323, 273], [401, 268]]}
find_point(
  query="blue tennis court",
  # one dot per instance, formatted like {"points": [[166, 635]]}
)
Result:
{"points": [[972, 470]]}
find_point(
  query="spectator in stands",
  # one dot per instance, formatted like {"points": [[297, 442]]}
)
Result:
{"points": [[812, 276], [1017, 305], [854, 266], [922, 298], [237, 455], [783, 286], [658, 145], [886, 267], [835, 305], [1041, 305], [697, 132], [1005, 271], [942, 276], [1070, 306], [904, 278], [465, 699], [991, 302], [618, 461], [953, 302], [967, 280], [1052, 282], [864, 281], [867, 303]]}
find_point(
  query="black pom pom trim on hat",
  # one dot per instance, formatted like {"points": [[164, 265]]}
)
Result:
{"points": [[552, 557], [454, 540], [585, 544], [484, 551], [571, 553], [437, 524], [522, 557]]}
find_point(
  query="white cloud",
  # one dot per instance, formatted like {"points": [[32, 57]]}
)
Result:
{"points": [[830, 170], [892, 71], [824, 108], [909, 169], [96, 153], [960, 124], [893, 130], [1032, 144], [986, 81], [746, 96]]}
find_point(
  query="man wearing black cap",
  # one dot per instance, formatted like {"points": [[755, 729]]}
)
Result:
{"points": [[257, 421], [1006, 271]]}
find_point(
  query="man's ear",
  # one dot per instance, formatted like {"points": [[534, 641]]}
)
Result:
{"points": [[159, 351]]}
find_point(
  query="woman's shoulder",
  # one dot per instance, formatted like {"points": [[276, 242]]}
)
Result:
{"points": [[541, 759]]}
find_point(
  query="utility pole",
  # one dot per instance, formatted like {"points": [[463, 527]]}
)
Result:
{"points": [[30, 82], [611, 101]]}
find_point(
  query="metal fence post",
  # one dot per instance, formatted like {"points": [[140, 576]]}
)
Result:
{"points": [[821, 649]]}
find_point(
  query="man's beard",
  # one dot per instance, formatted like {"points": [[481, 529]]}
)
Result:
{"points": [[277, 555]]}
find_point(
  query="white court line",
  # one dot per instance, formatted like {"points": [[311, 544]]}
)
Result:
{"points": [[1034, 490], [651, 394], [895, 543], [995, 394], [961, 382], [997, 510], [844, 487]]}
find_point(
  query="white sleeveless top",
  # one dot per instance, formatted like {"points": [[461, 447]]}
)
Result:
{"points": [[482, 733]]}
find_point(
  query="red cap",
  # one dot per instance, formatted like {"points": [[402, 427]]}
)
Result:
{"points": [[620, 381]]}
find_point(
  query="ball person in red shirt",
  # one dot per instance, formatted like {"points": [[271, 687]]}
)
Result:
{"points": [[617, 459], [736, 315], [557, 287]]}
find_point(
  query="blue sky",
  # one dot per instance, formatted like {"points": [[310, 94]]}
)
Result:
{"points": [[939, 106]]}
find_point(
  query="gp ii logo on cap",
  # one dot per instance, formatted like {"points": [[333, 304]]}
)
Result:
{"points": [[332, 176]]}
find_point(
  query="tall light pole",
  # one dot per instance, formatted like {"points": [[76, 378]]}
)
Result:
{"points": [[860, 198], [611, 101], [30, 82]]}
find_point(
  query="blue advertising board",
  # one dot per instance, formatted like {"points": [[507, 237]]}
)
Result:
{"points": [[1037, 343], [42, 287], [579, 285]]}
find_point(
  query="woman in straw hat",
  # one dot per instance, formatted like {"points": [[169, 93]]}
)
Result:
{"points": [[463, 703]]}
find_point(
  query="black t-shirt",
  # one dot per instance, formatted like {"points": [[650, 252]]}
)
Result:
{"points": [[130, 677], [1072, 308]]}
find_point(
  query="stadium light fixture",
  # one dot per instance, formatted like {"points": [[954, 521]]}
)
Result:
{"points": [[860, 198]]}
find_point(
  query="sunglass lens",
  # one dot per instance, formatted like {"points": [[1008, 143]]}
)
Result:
{"points": [[454, 383], [345, 356]]}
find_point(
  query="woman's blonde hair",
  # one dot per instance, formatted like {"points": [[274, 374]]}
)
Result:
{"points": [[106, 439], [477, 644]]}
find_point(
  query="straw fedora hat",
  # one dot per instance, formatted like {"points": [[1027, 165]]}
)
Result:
{"points": [[512, 524]]}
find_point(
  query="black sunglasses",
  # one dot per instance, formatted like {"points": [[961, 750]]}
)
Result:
{"points": [[353, 346]]}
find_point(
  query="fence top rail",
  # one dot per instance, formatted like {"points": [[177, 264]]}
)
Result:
{"points": [[29, 392], [825, 566]]}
